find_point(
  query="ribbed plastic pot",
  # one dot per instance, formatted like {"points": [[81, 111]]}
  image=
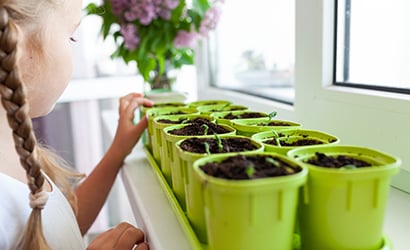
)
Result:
{"points": [[209, 109], [143, 110], [249, 127], [220, 116], [292, 135], [192, 184], [153, 112], [170, 158], [250, 214], [344, 208], [158, 138], [196, 104]]}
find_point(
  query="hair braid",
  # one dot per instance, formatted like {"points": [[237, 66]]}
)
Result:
{"points": [[14, 102]]}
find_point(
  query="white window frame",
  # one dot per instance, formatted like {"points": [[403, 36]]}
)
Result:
{"points": [[334, 104]]}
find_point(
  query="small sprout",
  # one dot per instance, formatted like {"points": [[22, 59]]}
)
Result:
{"points": [[273, 162], [250, 170], [276, 136], [289, 170], [206, 145], [219, 141], [225, 106], [272, 114], [349, 166], [185, 121], [206, 128]]}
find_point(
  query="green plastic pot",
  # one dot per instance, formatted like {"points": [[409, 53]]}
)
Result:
{"points": [[344, 208], [249, 127], [153, 112], [158, 137], [220, 116], [209, 109], [192, 184], [170, 159], [292, 135], [250, 214], [143, 110], [199, 103]]}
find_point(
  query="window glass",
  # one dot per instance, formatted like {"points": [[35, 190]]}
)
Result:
{"points": [[373, 44], [253, 50]]}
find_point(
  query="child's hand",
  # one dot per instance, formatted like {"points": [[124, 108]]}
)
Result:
{"points": [[123, 236], [128, 133]]}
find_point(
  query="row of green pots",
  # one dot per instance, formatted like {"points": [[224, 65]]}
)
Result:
{"points": [[330, 202]]}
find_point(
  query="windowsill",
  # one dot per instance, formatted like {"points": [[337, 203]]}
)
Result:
{"points": [[100, 88], [156, 217]]}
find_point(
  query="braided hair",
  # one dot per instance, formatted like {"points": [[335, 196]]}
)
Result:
{"points": [[14, 101]]}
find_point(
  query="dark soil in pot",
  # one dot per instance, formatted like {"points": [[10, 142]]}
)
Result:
{"points": [[338, 161], [166, 104], [200, 126], [179, 121], [242, 167], [226, 145], [300, 142], [246, 115], [273, 123]]}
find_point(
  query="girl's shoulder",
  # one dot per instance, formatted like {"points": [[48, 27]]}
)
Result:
{"points": [[15, 210]]}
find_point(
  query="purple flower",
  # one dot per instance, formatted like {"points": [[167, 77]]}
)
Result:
{"points": [[119, 6], [164, 7], [130, 34], [210, 20], [185, 39]]}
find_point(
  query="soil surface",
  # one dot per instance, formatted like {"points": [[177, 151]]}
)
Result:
{"points": [[198, 145], [273, 123], [168, 121], [168, 105], [338, 161], [242, 167], [245, 115], [300, 142], [173, 113], [226, 109], [197, 127]]}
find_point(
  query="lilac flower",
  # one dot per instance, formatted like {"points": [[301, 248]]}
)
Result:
{"points": [[119, 6], [130, 34], [210, 20], [164, 7], [185, 39]]}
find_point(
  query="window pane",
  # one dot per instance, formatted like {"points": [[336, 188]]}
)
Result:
{"points": [[373, 44], [253, 50]]}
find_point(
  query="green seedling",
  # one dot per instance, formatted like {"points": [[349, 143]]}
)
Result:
{"points": [[349, 166], [289, 170], [276, 136], [250, 170], [206, 145], [272, 114], [220, 144], [273, 162], [185, 121], [206, 128], [225, 106]]}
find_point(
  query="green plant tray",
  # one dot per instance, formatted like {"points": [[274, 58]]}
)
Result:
{"points": [[180, 214], [183, 219]]}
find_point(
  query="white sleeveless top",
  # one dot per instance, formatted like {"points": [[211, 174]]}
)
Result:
{"points": [[59, 223]]}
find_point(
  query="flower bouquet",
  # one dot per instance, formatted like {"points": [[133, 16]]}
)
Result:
{"points": [[159, 35]]}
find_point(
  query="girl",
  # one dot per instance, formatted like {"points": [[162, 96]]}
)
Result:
{"points": [[35, 67]]}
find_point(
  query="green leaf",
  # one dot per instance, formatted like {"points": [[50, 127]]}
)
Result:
{"points": [[201, 6], [250, 170], [206, 145], [272, 114]]}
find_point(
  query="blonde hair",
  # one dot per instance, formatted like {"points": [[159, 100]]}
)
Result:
{"points": [[34, 157]]}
